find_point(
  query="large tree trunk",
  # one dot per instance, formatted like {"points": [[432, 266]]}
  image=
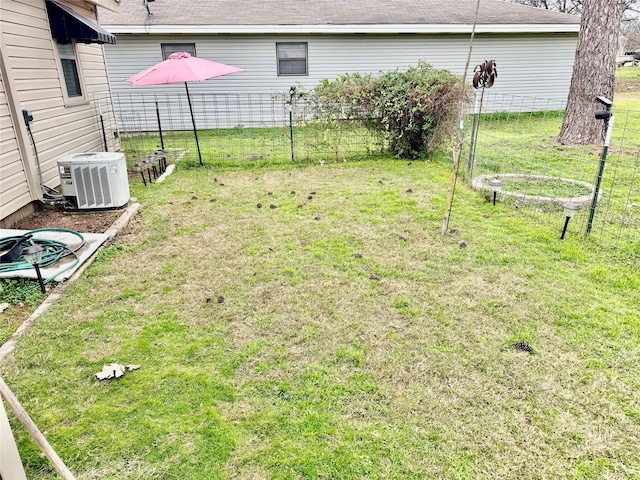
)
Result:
{"points": [[593, 71]]}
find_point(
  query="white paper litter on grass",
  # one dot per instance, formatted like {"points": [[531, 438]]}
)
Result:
{"points": [[115, 370]]}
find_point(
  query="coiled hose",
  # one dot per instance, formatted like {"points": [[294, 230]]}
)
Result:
{"points": [[54, 251]]}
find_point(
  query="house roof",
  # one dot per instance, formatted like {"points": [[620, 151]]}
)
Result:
{"points": [[331, 16]]}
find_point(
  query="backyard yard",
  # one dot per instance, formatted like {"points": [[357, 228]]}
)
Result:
{"points": [[333, 333], [310, 321]]}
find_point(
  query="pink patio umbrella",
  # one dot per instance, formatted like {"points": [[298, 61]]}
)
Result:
{"points": [[182, 67]]}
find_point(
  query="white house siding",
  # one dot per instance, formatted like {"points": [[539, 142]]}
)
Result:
{"points": [[532, 65], [14, 188], [36, 85]]}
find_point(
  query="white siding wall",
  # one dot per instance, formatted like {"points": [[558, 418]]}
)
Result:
{"points": [[528, 64], [14, 189], [35, 81]]}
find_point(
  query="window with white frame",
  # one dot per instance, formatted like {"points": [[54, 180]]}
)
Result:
{"points": [[292, 58], [69, 62], [169, 48]]}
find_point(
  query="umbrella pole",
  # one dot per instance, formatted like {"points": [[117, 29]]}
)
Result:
{"points": [[159, 125], [193, 121]]}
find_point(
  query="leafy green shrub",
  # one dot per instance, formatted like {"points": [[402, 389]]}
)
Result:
{"points": [[14, 291], [416, 109]]}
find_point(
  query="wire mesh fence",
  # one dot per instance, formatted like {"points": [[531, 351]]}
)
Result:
{"points": [[105, 121], [234, 129], [546, 180], [512, 138]]}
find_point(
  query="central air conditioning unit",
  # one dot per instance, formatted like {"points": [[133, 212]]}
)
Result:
{"points": [[94, 180]]}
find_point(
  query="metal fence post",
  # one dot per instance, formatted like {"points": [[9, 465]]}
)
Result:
{"points": [[596, 190], [474, 137], [104, 132], [292, 92]]}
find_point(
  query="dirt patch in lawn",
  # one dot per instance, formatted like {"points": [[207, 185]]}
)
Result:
{"points": [[94, 222]]}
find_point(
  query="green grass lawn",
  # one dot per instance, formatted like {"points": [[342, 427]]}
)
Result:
{"points": [[337, 336], [262, 147]]}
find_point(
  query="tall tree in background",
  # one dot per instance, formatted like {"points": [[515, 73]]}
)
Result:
{"points": [[594, 68], [574, 7], [593, 71]]}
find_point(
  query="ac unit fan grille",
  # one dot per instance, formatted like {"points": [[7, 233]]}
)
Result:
{"points": [[92, 187]]}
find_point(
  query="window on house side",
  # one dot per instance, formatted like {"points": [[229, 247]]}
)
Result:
{"points": [[292, 58], [169, 48], [67, 53]]}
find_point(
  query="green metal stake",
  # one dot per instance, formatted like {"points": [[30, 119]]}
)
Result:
{"points": [[474, 137], [603, 159]]}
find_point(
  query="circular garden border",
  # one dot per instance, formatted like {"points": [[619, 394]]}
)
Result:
{"points": [[481, 183]]}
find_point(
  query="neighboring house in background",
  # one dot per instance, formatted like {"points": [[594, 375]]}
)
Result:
{"points": [[284, 42], [52, 64]]}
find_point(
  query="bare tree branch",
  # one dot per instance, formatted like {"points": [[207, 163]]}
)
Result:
{"points": [[574, 7]]}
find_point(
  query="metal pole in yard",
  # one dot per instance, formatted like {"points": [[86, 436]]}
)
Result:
{"points": [[472, 146], [193, 121], [104, 134], [292, 91], [596, 190], [159, 125]]}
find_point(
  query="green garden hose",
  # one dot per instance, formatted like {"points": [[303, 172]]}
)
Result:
{"points": [[54, 251]]}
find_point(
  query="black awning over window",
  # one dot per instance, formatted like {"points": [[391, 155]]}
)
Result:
{"points": [[67, 24]]}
